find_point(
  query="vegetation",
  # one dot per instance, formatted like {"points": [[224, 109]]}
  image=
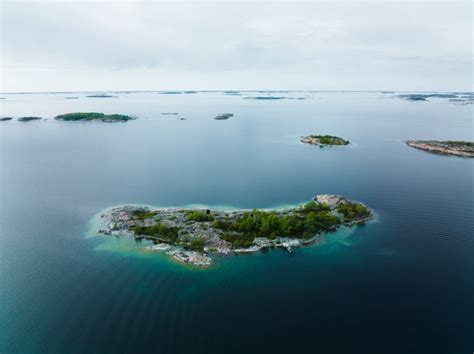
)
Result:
{"points": [[459, 143], [199, 216], [28, 119], [90, 116], [157, 230], [303, 223], [330, 140], [352, 211], [142, 214], [196, 244]]}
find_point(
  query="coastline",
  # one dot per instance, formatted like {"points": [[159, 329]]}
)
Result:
{"points": [[193, 242]]}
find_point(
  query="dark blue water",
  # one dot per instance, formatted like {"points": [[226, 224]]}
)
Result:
{"points": [[402, 283]]}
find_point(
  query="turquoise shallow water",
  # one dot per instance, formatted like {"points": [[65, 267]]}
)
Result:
{"points": [[400, 284]]}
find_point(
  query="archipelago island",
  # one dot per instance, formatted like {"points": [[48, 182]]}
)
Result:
{"points": [[190, 235], [94, 116], [324, 140], [457, 148]]}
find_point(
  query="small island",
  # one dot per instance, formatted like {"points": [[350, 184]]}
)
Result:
{"points": [[4, 119], [190, 235], [101, 95], [94, 116], [29, 119], [224, 116], [324, 140], [457, 148]]}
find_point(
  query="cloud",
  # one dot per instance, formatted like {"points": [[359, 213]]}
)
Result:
{"points": [[210, 45]]}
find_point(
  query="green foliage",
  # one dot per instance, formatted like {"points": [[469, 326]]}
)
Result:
{"points": [[459, 143], [222, 225], [88, 116], [157, 230], [314, 206], [330, 140], [196, 244], [142, 214], [352, 211], [199, 216], [239, 240], [269, 225]]}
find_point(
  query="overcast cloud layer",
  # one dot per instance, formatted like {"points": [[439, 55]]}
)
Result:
{"points": [[55, 46]]}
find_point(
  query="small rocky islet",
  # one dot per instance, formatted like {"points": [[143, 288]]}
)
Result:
{"points": [[223, 116], [324, 140], [448, 147], [190, 235]]}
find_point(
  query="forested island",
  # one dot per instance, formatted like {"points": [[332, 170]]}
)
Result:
{"points": [[28, 119], [458, 148], [324, 140], [190, 235], [94, 116]]}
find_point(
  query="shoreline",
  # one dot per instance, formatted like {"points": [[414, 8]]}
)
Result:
{"points": [[447, 148], [192, 234]]}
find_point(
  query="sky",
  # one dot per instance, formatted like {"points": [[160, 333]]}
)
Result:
{"points": [[130, 45]]}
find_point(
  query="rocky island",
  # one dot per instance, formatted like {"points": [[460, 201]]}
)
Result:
{"points": [[323, 140], [29, 119], [191, 235], [224, 116], [458, 148], [94, 116]]}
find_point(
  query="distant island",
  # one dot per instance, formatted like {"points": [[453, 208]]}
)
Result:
{"points": [[3, 119], [324, 140], [101, 95], [94, 116], [264, 98], [426, 96], [458, 148], [29, 119], [224, 116], [190, 235]]}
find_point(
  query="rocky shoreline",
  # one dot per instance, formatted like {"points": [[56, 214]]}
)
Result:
{"points": [[457, 148], [191, 235]]}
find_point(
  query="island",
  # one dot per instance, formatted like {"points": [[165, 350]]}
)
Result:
{"points": [[190, 235], [4, 119], [426, 96], [264, 98], [457, 148], [29, 119], [224, 116], [94, 116], [101, 95], [324, 140]]}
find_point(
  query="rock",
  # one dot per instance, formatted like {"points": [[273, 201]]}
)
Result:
{"points": [[159, 247], [224, 116]]}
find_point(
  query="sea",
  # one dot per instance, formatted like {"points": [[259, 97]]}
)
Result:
{"points": [[401, 283]]}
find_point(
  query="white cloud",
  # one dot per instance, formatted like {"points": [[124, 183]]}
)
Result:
{"points": [[174, 45]]}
